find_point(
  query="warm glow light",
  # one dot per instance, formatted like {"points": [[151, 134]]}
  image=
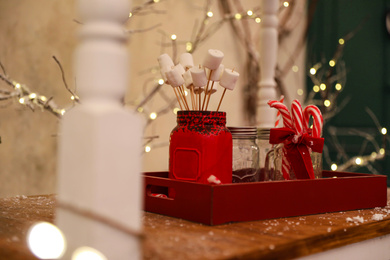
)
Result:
{"points": [[322, 86], [249, 13], [238, 16], [17, 85], [173, 37], [300, 92], [384, 131], [332, 63], [327, 103], [358, 161], [32, 95], [87, 253], [185, 92], [333, 167], [46, 241], [257, 20], [374, 155], [43, 98], [140, 109], [382, 151], [148, 148], [295, 68], [286, 4], [72, 97], [313, 71], [160, 81], [156, 1], [21, 100], [341, 41], [63, 111], [130, 14], [188, 46], [175, 110], [210, 14], [153, 115], [316, 88], [338, 86]]}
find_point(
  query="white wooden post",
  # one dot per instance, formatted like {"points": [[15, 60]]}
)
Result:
{"points": [[268, 57], [99, 161]]}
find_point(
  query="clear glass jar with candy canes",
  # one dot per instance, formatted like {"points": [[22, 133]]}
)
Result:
{"points": [[297, 154], [246, 167]]}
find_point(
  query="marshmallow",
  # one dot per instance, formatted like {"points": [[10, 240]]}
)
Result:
{"points": [[187, 79], [186, 60], [229, 79], [180, 68], [175, 79], [199, 77], [165, 61], [216, 75], [213, 59], [166, 64]]}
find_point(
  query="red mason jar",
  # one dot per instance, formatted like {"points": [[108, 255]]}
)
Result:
{"points": [[200, 146]]}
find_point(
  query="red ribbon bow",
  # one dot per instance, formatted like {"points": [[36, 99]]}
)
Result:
{"points": [[297, 150]]}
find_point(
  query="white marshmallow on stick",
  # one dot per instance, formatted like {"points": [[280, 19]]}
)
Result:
{"points": [[199, 80], [228, 81], [186, 60], [213, 59], [188, 79], [180, 69], [198, 77], [176, 80], [166, 64], [216, 75]]}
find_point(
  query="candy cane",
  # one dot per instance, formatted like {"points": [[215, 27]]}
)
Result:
{"points": [[296, 111], [283, 111], [278, 115], [318, 121], [285, 166]]}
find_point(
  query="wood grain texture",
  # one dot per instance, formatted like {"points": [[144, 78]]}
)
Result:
{"points": [[171, 238]]}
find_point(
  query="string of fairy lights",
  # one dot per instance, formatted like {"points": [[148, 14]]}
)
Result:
{"points": [[329, 80]]}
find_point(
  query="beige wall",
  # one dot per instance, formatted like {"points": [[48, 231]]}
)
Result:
{"points": [[32, 31]]}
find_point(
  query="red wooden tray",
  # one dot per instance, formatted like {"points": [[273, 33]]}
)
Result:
{"points": [[218, 204]]}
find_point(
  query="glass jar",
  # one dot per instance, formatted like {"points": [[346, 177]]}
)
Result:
{"points": [[200, 145], [274, 162], [245, 155], [264, 148]]}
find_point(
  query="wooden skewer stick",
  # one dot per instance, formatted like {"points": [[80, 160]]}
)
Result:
{"points": [[223, 94], [208, 98], [200, 100], [206, 90], [178, 99], [192, 97], [184, 97]]}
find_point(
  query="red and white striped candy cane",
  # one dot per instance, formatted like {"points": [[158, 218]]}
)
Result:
{"points": [[318, 121], [278, 115], [296, 111], [283, 111], [287, 123]]}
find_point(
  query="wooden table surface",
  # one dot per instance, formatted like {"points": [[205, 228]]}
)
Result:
{"points": [[171, 238]]}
